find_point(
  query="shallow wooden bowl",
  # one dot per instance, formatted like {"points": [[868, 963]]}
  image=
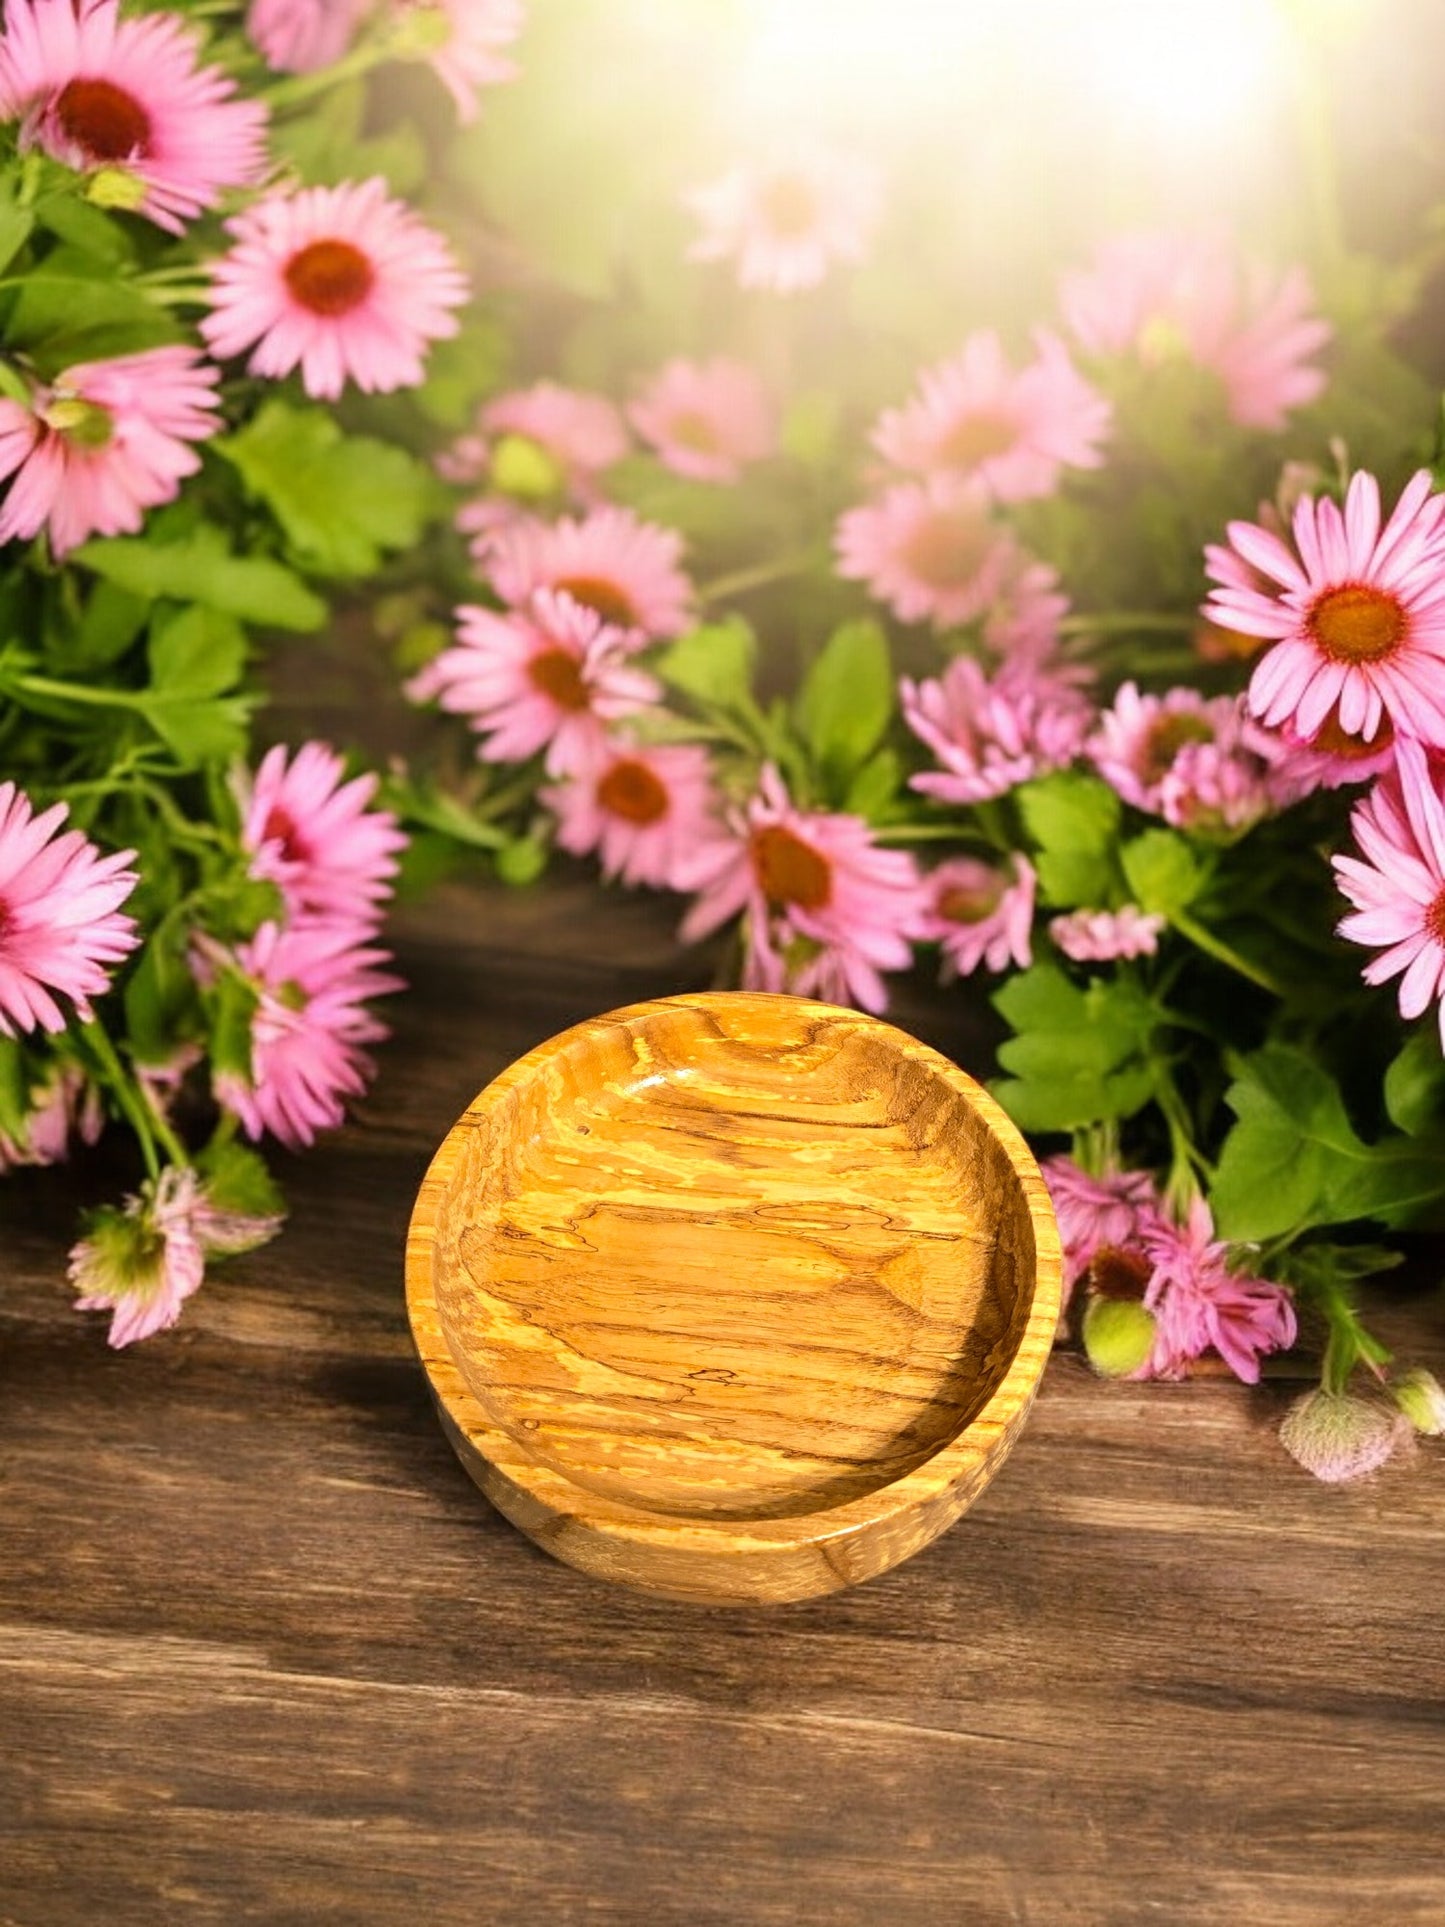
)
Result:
{"points": [[733, 1297]]}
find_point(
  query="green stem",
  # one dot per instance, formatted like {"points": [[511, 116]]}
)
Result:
{"points": [[1127, 622], [740, 581], [297, 89], [930, 833], [1224, 953], [150, 1127]]}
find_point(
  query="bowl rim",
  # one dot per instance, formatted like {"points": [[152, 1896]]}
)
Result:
{"points": [[965, 1460]]}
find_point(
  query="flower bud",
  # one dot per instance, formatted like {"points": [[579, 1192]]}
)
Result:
{"points": [[1118, 1335], [1338, 1437], [1421, 1397], [522, 468], [116, 187]]}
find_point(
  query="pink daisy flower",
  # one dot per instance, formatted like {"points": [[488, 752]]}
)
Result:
{"points": [[1398, 884], [706, 419], [626, 571], [1106, 936], [1357, 617], [1339, 1437], [1138, 740], [462, 41], [980, 913], [313, 836], [649, 812], [1200, 1305], [1161, 296], [302, 36], [60, 922], [103, 443], [579, 433], [1014, 432], [95, 91], [827, 910], [548, 678], [786, 218], [930, 551], [343, 282], [63, 1106], [991, 735], [312, 982], [1096, 1215]]}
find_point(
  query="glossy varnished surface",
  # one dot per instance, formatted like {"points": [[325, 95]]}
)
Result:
{"points": [[747, 1295], [264, 1657]]}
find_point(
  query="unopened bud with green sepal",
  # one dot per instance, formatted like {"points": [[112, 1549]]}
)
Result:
{"points": [[1118, 1335]]}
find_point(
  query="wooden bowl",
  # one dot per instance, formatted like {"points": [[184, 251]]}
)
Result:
{"points": [[733, 1297]]}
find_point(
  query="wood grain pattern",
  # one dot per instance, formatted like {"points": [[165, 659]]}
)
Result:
{"points": [[731, 1296], [265, 1658]]}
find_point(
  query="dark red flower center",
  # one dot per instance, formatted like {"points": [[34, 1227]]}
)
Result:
{"points": [[281, 827], [103, 120], [789, 206], [1357, 624], [976, 437], [789, 870], [1332, 739], [330, 277], [559, 675], [1434, 918], [960, 905], [1117, 1271], [1165, 740], [946, 549], [631, 790], [603, 597]]}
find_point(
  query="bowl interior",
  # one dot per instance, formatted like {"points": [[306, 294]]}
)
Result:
{"points": [[732, 1258]]}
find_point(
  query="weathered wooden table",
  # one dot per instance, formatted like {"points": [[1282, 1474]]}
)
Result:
{"points": [[268, 1655]]}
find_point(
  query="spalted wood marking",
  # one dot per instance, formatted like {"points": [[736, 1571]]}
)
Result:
{"points": [[733, 1296]]}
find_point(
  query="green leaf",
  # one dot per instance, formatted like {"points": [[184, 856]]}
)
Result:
{"points": [[198, 732], [109, 624], [237, 1180], [157, 991], [1294, 1161], [1080, 1055], [233, 1010], [15, 1088], [846, 700], [1415, 1084], [1162, 871], [714, 664], [341, 501], [16, 223], [75, 308], [875, 787], [1074, 820], [201, 568], [197, 653]]}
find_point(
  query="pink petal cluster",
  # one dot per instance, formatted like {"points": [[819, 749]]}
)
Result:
{"points": [[650, 813], [1197, 761], [786, 218], [1157, 296], [1013, 431], [64, 1105], [1200, 1305], [61, 927], [1397, 884], [302, 36], [1339, 1437], [930, 550], [104, 442], [1332, 757], [549, 677], [706, 420], [626, 571], [827, 910], [1097, 1214], [143, 1261], [95, 91], [1355, 612], [1107, 936], [980, 913], [315, 836], [312, 981], [470, 55], [581, 433], [343, 282], [992, 734]]}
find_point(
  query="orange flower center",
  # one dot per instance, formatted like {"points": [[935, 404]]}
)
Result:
{"points": [[1116, 1272], [1357, 624], [1331, 739], [1434, 918], [103, 120], [975, 438], [695, 431], [630, 790], [604, 598], [789, 870], [1165, 740], [946, 549], [280, 827], [789, 206], [559, 675], [330, 277], [962, 905]]}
